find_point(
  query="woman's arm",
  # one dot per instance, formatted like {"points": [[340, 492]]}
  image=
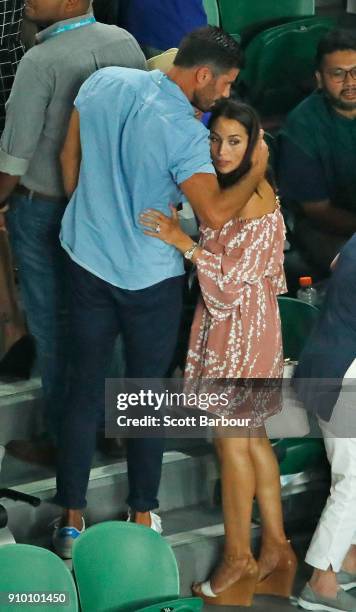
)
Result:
{"points": [[168, 230], [222, 276], [215, 206]]}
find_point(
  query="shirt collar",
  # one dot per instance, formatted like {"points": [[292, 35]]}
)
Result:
{"points": [[44, 34], [163, 81]]}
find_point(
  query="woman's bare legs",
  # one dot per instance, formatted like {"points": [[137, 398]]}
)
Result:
{"points": [[268, 494], [249, 467], [238, 490]]}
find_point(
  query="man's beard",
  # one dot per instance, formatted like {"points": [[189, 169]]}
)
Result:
{"points": [[203, 104], [338, 103]]}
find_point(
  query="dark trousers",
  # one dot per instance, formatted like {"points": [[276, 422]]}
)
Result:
{"points": [[34, 226], [148, 320]]}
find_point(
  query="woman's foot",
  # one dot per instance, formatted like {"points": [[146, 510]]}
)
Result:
{"points": [[232, 583], [277, 566], [228, 571], [273, 555]]}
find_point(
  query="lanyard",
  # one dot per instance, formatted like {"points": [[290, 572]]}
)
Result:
{"points": [[67, 27]]}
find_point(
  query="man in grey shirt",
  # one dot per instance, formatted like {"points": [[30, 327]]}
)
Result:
{"points": [[70, 48]]}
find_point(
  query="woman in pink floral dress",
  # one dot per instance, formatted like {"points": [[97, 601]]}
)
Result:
{"points": [[236, 334]]}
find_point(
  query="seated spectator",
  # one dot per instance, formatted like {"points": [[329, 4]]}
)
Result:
{"points": [[325, 382], [161, 24], [318, 155]]}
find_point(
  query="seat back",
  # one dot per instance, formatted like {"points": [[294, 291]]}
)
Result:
{"points": [[26, 570], [237, 15], [123, 566], [212, 12], [280, 65], [298, 319]]}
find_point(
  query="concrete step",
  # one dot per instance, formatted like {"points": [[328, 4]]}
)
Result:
{"points": [[188, 503], [186, 480], [20, 410]]}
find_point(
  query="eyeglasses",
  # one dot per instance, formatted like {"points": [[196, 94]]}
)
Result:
{"points": [[339, 74]]}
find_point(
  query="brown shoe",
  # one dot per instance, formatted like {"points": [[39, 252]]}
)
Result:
{"points": [[279, 581], [33, 451], [241, 575]]}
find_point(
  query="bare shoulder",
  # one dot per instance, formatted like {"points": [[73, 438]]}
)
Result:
{"points": [[263, 202]]}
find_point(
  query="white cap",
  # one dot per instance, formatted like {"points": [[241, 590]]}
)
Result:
{"points": [[163, 62]]}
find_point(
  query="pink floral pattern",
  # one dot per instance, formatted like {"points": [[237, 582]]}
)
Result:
{"points": [[236, 332]]}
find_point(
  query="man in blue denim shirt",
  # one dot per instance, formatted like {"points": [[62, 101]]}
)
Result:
{"points": [[139, 145]]}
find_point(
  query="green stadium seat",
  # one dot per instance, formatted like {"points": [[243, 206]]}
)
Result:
{"points": [[125, 567], [212, 12], [237, 16], [280, 64], [298, 319], [297, 455], [29, 569]]}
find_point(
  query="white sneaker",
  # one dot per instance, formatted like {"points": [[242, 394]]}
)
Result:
{"points": [[156, 521], [63, 538]]}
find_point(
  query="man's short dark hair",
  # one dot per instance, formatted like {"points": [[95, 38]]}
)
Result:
{"points": [[335, 40], [210, 46]]}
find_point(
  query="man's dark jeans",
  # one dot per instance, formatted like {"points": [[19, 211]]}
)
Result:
{"points": [[148, 320], [34, 226]]}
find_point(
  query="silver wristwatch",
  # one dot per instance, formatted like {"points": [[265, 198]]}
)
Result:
{"points": [[190, 252]]}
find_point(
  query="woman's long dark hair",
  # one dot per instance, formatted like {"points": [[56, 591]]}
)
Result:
{"points": [[247, 116]]}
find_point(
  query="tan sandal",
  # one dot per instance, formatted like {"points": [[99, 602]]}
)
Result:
{"points": [[238, 593]]}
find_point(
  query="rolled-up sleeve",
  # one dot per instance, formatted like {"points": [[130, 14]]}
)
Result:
{"points": [[192, 157], [25, 117]]}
